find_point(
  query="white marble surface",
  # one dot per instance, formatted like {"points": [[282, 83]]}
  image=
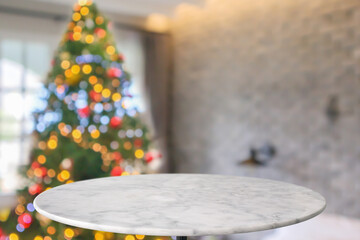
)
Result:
{"points": [[179, 204]]}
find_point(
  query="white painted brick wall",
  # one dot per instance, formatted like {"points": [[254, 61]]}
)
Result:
{"points": [[251, 71]]}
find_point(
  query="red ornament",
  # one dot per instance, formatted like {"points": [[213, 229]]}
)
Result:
{"points": [[84, 112], [100, 32], [35, 189], [114, 72], [25, 219], [35, 165], [95, 96], [115, 122], [43, 171], [70, 36], [52, 62], [149, 157], [138, 143], [117, 157], [116, 171]]}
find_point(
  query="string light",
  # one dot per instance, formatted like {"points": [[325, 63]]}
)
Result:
{"points": [[77, 29], [68, 73], [69, 233], [38, 238], [99, 20], [110, 50], [51, 230], [13, 236], [65, 174], [99, 236], [129, 237], [106, 93], [51, 173], [41, 159], [92, 80], [87, 69], [52, 144], [95, 134], [82, 2], [76, 16], [116, 97], [139, 153], [89, 38], [75, 69], [76, 36], [76, 133], [84, 11], [65, 64], [98, 87], [140, 237]]}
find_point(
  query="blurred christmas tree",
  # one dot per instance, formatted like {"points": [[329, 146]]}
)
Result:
{"points": [[86, 128]]}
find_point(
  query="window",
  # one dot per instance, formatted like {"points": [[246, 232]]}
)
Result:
{"points": [[22, 68]]}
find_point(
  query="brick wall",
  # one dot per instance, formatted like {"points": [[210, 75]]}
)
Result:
{"points": [[254, 71]]}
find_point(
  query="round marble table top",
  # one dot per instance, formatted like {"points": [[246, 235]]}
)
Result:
{"points": [[179, 204]]}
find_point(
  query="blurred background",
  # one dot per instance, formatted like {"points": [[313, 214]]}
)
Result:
{"points": [[262, 88]]}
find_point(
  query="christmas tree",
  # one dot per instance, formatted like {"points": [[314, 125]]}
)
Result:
{"points": [[85, 127]]}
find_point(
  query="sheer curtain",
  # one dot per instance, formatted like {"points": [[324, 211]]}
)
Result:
{"points": [[158, 70]]}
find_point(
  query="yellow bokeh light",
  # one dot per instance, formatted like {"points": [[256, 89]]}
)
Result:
{"points": [[69, 181], [51, 230], [76, 133], [116, 97], [110, 50], [13, 236], [139, 153], [75, 69], [140, 237], [76, 16], [93, 80], [69, 232], [96, 147], [95, 134], [41, 159], [65, 174], [89, 38], [87, 69], [77, 36], [38, 237], [82, 2], [51, 173], [98, 88], [77, 29], [84, 11], [129, 237], [38, 172], [52, 144], [65, 64], [99, 236], [106, 93], [99, 20], [68, 73]]}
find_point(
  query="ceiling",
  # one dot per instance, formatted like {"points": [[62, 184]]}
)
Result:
{"points": [[133, 7]]}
